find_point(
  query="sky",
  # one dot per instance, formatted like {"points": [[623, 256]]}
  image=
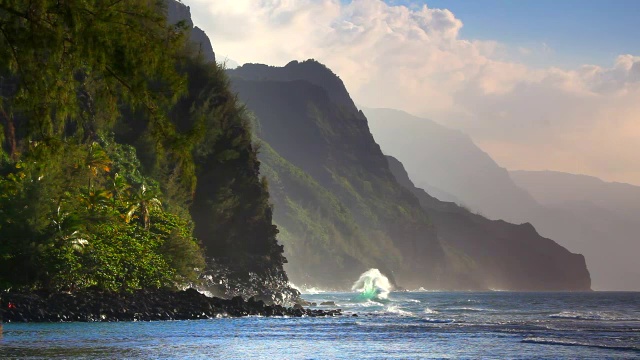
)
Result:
{"points": [[539, 85]]}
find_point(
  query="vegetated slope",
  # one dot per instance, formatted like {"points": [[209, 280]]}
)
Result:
{"points": [[324, 245], [505, 256], [379, 222], [227, 199], [597, 218]]}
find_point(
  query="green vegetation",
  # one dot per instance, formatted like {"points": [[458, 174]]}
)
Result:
{"points": [[71, 218], [118, 146]]}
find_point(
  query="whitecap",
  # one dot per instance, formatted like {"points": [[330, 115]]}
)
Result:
{"points": [[437, 321], [592, 315], [393, 309]]}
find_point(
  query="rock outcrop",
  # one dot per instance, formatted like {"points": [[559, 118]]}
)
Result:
{"points": [[176, 12], [89, 306]]}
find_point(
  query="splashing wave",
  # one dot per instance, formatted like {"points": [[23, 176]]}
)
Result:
{"points": [[372, 285]]}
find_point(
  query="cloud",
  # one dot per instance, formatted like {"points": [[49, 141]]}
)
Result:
{"points": [[583, 120]]}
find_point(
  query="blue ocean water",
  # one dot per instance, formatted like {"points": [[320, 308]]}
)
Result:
{"points": [[407, 325]]}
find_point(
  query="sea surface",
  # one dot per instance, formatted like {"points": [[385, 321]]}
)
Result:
{"points": [[406, 325]]}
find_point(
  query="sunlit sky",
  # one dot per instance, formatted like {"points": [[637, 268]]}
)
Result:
{"points": [[574, 31], [537, 84]]}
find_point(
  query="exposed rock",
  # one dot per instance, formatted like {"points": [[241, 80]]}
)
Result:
{"points": [[143, 305], [176, 12]]}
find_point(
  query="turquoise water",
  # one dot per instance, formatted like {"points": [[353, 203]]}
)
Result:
{"points": [[411, 325]]}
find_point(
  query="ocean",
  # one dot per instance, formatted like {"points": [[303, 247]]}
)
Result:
{"points": [[405, 325]]}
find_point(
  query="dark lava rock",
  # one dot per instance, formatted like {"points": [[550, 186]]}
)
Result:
{"points": [[142, 305], [328, 303]]}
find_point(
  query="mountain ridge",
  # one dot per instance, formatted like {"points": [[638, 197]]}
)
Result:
{"points": [[303, 129]]}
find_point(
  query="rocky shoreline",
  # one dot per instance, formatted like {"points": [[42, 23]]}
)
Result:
{"points": [[142, 305]]}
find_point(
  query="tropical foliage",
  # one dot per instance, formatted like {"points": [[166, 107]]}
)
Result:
{"points": [[115, 137], [67, 222]]}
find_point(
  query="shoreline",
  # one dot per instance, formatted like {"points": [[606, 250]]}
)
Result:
{"points": [[141, 305]]}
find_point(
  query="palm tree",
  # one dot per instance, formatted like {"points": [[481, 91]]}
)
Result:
{"points": [[95, 200], [143, 201], [118, 187], [97, 159], [68, 229]]}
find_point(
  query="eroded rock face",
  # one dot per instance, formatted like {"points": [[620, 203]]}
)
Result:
{"points": [[143, 305]]}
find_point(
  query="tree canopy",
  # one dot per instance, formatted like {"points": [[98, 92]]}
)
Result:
{"points": [[75, 63]]}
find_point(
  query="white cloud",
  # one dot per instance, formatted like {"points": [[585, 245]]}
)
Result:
{"points": [[412, 58]]}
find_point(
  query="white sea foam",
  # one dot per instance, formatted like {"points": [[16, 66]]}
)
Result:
{"points": [[307, 290], [394, 309], [437, 321], [464, 309], [368, 303], [430, 311], [592, 315]]}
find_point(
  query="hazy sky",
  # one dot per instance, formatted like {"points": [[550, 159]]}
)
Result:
{"points": [[537, 84]]}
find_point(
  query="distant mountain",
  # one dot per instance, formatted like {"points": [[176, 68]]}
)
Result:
{"points": [[447, 160], [557, 188], [599, 219], [340, 209], [504, 255]]}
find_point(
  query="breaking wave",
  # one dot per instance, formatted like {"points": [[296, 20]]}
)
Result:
{"points": [[372, 285]]}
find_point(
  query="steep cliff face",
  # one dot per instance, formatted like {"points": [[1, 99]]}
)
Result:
{"points": [[335, 195], [176, 12], [381, 224], [227, 200], [504, 256]]}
